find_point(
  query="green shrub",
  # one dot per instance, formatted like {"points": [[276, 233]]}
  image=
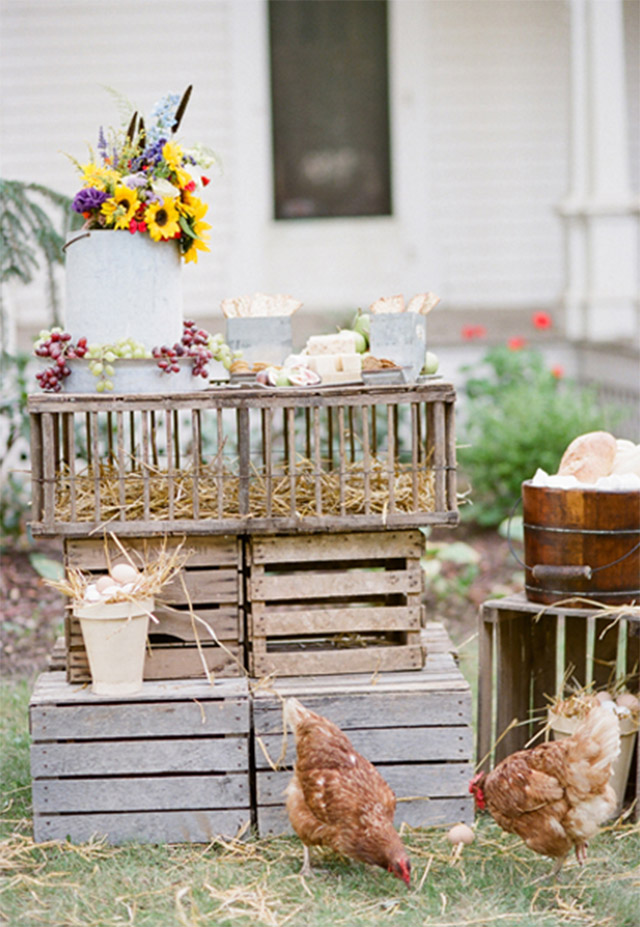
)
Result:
{"points": [[518, 415]]}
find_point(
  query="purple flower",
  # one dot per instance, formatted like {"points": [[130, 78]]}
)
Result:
{"points": [[88, 199]]}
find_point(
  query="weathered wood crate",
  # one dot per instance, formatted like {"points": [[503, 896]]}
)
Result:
{"points": [[415, 728], [529, 653], [212, 588], [244, 460], [168, 765], [334, 603]]}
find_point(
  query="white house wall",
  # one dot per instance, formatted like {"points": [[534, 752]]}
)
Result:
{"points": [[479, 101]]}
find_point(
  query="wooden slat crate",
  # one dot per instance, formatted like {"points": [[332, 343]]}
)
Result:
{"points": [[415, 728], [527, 651], [334, 603], [242, 461], [168, 765], [213, 579]]}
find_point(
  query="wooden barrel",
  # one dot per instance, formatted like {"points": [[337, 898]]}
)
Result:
{"points": [[580, 542]]}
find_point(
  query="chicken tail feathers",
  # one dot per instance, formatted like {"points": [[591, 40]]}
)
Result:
{"points": [[599, 736], [293, 713]]}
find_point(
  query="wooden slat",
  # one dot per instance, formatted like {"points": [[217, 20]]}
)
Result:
{"points": [[176, 662], [342, 460], [170, 477], [317, 460], [351, 546], [513, 679], [605, 653], [198, 826], [366, 461], [146, 491], [53, 688], [196, 459], [544, 644], [219, 584], [575, 649], [389, 745], [450, 436], [350, 660], [121, 757], [353, 703], [333, 584], [437, 812], [37, 464], [165, 793], [90, 553], [49, 469], [430, 780], [121, 720], [391, 457], [334, 620]]}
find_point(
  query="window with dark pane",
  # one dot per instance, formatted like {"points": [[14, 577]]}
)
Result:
{"points": [[330, 108]]}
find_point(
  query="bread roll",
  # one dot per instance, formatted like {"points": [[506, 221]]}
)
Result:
{"points": [[589, 456], [627, 458]]}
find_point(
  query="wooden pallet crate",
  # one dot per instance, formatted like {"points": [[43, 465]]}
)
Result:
{"points": [[415, 728], [242, 461], [529, 653], [168, 765], [334, 603], [178, 644]]}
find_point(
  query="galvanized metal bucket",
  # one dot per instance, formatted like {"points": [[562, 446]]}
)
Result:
{"points": [[120, 286]]}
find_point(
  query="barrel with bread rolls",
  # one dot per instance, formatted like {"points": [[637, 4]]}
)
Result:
{"points": [[582, 524]]}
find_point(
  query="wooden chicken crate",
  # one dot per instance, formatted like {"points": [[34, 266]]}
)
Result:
{"points": [[213, 580], [168, 765], [334, 603], [244, 460], [527, 651], [414, 727]]}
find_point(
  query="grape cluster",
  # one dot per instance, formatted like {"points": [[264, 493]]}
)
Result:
{"points": [[197, 345], [58, 346], [103, 356]]}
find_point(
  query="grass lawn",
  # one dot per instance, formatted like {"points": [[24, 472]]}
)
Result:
{"points": [[236, 883]]}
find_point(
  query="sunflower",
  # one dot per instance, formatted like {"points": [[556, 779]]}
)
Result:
{"points": [[162, 220], [172, 154], [102, 178], [121, 208]]}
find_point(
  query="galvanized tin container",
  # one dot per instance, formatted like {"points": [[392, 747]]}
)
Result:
{"points": [[261, 339], [400, 337], [120, 285]]}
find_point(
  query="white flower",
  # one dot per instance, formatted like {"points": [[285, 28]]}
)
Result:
{"points": [[163, 188]]}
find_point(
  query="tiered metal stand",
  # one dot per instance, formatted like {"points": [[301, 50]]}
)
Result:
{"points": [[299, 509]]}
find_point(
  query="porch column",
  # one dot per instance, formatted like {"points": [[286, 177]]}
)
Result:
{"points": [[602, 299]]}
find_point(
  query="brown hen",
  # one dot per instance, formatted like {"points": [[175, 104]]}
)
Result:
{"points": [[337, 799], [556, 795]]}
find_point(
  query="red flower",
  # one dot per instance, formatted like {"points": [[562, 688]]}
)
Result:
{"points": [[190, 187], [469, 332], [516, 343], [558, 371], [541, 320], [204, 180]]}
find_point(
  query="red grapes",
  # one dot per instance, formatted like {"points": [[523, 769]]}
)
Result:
{"points": [[57, 345]]}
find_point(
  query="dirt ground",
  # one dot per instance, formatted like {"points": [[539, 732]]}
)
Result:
{"points": [[32, 612]]}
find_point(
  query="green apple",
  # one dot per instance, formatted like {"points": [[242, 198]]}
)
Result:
{"points": [[431, 363], [362, 324]]}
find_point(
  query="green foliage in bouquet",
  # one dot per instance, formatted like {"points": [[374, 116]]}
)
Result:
{"points": [[518, 415]]}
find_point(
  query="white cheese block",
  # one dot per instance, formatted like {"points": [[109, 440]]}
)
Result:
{"points": [[350, 363], [339, 343]]}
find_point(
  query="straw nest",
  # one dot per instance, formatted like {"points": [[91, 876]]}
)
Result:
{"points": [[152, 575], [217, 488]]}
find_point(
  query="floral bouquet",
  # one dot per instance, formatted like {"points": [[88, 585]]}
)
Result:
{"points": [[140, 181]]}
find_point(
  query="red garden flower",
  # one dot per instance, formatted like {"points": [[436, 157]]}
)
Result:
{"points": [[470, 332], [558, 371], [516, 343], [541, 320]]}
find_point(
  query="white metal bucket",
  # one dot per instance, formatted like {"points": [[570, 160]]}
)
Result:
{"points": [[120, 285], [115, 636]]}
